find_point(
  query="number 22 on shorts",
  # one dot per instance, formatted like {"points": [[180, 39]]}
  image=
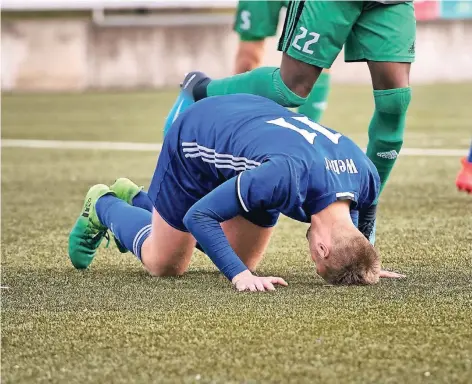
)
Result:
{"points": [[301, 36]]}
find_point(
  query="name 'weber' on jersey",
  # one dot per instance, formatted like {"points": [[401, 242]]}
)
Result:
{"points": [[283, 160]]}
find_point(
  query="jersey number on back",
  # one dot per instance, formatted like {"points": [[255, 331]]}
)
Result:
{"points": [[245, 20], [309, 136]]}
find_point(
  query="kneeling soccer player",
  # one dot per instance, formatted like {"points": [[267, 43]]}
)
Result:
{"points": [[228, 167]]}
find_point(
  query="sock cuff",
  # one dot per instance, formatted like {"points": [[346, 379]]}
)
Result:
{"points": [[386, 92], [393, 101], [139, 239], [201, 89], [289, 98]]}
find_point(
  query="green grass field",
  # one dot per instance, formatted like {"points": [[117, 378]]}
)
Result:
{"points": [[114, 324]]}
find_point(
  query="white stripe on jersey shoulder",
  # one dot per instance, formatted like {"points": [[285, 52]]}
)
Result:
{"points": [[238, 187], [219, 164], [236, 167], [221, 160], [345, 194], [193, 147]]}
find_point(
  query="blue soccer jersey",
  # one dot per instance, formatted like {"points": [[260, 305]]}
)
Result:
{"points": [[248, 150]]}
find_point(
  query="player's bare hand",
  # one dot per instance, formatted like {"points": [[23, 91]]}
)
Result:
{"points": [[391, 275], [246, 281]]}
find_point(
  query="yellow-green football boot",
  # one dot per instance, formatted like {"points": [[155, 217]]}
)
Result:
{"points": [[88, 232], [125, 189]]}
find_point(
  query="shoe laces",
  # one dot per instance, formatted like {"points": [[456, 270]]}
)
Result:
{"points": [[107, 236]]}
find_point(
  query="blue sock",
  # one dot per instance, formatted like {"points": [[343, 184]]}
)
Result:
{"points": [[469, 159], [142, 200], [130, 225]]}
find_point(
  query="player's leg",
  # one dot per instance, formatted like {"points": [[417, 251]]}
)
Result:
{"points": [[133, 194], [316, 102], [249, 240], [384, 36], [167, 251], [392, 95], [256, 20], [314, 33], [162, 249], [176, 258], [464, 178]]}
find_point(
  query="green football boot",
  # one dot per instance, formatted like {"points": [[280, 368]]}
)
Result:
{"points": [[125, 190], [88, 232]]}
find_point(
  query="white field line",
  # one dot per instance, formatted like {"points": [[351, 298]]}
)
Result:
{"points": [[100, 145], [156, 147]]}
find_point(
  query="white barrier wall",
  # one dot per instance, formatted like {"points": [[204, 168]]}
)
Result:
{"points": [[74, 54]]}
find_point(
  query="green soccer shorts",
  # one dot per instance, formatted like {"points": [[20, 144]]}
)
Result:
{"points": [[256, 20], [315, 31]]}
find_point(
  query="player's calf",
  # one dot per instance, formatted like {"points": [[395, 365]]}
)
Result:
{"points": [[299, 77], [392, 96], [288, 85]]}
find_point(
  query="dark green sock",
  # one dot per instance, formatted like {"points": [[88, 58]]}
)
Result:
{"points": [[316, 101], [263, 81], [386, 129]]}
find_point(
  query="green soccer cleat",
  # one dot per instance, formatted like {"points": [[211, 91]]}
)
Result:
{"points": [[88, 232], [125, 190]]}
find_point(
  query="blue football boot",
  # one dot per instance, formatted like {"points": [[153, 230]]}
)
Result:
{"points": [[185, 97]]}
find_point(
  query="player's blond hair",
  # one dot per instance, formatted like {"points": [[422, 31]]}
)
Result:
{"points": [[352, 260]]}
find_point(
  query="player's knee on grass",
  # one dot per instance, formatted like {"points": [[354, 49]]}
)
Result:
{"points": [[249, 55], [298, 76], [167, 251], [170, 266], [165, 271]]}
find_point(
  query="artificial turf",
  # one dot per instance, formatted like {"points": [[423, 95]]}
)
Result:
{"points": [[114, 324]]}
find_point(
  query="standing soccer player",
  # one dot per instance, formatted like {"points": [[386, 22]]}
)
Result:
{"points": [[257, 20], [228, 167], [379, 33]]}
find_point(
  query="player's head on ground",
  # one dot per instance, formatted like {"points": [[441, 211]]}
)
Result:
{"points": [[343, 256]]}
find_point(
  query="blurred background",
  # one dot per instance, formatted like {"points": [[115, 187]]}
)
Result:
{"points": [[75, 45]]}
